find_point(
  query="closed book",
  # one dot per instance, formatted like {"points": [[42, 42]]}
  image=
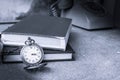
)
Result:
{"points": [[12, 54], [48, 32]]}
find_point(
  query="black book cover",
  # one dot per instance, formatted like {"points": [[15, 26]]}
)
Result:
{"points": [[41, 25]]}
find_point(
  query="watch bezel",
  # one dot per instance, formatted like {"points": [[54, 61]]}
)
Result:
{"points": [[32, 64]]}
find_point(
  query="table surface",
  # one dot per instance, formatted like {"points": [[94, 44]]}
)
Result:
{"points": [[97, 57]]}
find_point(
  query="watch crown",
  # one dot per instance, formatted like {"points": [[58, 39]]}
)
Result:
{"points": [[29, 41]]}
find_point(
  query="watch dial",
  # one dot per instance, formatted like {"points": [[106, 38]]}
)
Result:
{"points": [[31, 54]]}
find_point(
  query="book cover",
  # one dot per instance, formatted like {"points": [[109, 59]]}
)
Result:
{"points": [[48, 32], [12, 54]]}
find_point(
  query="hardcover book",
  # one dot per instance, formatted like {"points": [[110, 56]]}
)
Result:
{"points": [[12, 54], [48, 32]]}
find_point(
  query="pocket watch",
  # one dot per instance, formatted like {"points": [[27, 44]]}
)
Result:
{"points": [[32, 54]]}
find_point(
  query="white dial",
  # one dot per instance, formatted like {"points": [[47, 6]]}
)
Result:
{"points": [[32, 54]]}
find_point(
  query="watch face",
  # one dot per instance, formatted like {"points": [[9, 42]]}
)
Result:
{"points": [[32, 54]]}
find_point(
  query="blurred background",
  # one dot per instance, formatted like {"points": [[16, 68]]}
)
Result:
{"points": [[11, 9]]}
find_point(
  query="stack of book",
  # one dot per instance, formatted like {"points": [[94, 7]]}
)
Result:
{"points": [[51, 33]]}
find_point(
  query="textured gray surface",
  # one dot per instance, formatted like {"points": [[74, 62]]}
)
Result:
{"points": [[97, 58]]}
